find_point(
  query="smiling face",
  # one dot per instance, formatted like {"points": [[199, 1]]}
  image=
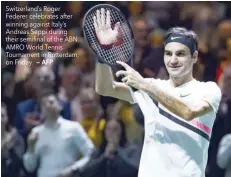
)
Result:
{"points": [[178, 60]]}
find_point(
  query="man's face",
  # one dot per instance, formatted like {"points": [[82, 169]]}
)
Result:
{"points": [[141, 33], [178, 59], [71, 82], [51, 105], [44, 78], [89, 105]]}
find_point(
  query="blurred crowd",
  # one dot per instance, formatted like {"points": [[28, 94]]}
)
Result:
{"points": [[96, 136]]}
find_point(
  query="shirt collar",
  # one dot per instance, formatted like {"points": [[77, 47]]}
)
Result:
{"points": [[186, 88], [57, 124], [187, 84]]}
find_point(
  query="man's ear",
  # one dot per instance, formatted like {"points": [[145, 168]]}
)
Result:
{"points": [[195, 56]]}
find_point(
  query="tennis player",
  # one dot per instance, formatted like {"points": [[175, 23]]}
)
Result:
{"points": [[179, 113]]}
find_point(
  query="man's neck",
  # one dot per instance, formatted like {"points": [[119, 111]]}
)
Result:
{"points": [[51, 120], [176, 82]]}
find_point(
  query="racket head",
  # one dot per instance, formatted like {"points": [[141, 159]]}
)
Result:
{"points": [[122, 49]]}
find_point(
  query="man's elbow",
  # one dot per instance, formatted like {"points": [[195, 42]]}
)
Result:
{"points": [[91, 149], [221, 162], [192, 113], [189, 115], [88, 147]]}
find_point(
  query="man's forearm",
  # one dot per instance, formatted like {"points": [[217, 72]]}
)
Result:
{"points": [[80, 163], [172, 103], [104, 78], [30, 161]]}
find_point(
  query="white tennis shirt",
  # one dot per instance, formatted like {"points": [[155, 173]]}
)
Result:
{"points": [[172, 146], [58, 148]]}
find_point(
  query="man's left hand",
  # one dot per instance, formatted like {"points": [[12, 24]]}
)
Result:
{"points": [[67, 172], [131, 76]]}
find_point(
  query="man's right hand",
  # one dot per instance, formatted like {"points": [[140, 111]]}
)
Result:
{"points": [[31, 141], [105, 34]]}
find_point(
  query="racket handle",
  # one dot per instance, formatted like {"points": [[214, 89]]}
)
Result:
{"points": [[133, 89], [97, 59]]}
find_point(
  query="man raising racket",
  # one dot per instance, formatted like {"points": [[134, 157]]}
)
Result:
{"points": [[179, 113]]}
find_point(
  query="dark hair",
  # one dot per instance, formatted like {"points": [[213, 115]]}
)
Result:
{"points": [[184, 32], [123, 138]]}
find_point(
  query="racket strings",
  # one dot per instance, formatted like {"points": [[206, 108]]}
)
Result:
{"points": [[122, 51]]}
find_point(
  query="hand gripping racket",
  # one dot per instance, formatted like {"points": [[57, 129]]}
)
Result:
{"points": [[109, 34]]}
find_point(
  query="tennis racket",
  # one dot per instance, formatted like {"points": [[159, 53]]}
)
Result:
{"points": [[109, 34]]}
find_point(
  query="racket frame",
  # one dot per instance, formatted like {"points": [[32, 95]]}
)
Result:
{"points": [[129, 26]]}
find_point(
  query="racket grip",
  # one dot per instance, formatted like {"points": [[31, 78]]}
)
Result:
{"points": [[133, 89], [97, 59]]}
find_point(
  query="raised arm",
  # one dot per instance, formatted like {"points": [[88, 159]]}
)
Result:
{"points": [[188, 111], [106, 86]]}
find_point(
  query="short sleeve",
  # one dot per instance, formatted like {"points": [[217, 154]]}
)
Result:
{"points": [[212, 95], [133, 91]]}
